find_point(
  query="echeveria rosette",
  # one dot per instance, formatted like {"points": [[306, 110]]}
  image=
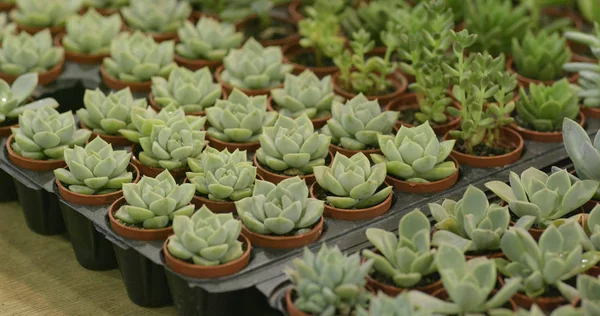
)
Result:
{"points": [[91, 33], [207, 239], [221, 175], [209, 39], [95, 168], [356, 124], [156, 16], [292, 147], [192, 90], [43, 134], [13, 97], [240, 118], [304, 94], [584, 153], [280, 209], [47, 13], [352, 182], [22, 53], [154, 202]]}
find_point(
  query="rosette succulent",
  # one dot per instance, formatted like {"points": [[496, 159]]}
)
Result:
{"points": [[108, 114], [154, 202], [13, 97], [254, 66], [592, 225], [48, 13], [209, 39], [108, 4], [44, 134], [292, 147], [584, 153], [240, 118], [135, 57], [91, 33], [23, 53], [383, 305], [280, 209], [221, 175], [356, 124], [192, 90], [157, 16], [541, 56], [95, 168], [304, 94]]}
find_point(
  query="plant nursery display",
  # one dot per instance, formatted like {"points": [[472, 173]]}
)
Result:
{"points": [[160, 18], [33, 16]]}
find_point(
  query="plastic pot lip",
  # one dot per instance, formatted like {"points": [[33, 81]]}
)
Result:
{"points": [[54, 30], [152, 171], [317, 122], [116, 84], [133, 232], [397, 79], [590, 112], [429, 187], [525, 81], [44, 78], [115, 140], [249, 92], [89, 59], [546, 137], [195, 64], [284, 242], [220, 145], [276, 178], [31, 164]]}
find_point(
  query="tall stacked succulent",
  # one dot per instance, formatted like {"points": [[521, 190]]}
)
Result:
{"points": [[95, 168], [292, 147], [240, 118], [154, 202], [589, 78], [206, 238], [109, 114], [136, 57], [222, 175], [22, 53], [44, 134], [304, 94], [254, 66], [101, 4], [6, 27], [330, 282], [280, 209], [383, 305], [158, 16], [541, 56], [13, 97], [407, 259], [50, 13], [357, 124], [584, 153], [209, 39], [192, 90], [91, 33]]}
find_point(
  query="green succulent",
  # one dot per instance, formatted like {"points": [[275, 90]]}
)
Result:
{"points": [[22, 53], [109, 114], [157, 16], [305, 94], [589, 73], [13, 98], [584, 153], [541, 56], [405, 260], [44, 133], [592, 224], [91, 33], [100, 4], [207, 239], [6, 27], [281, 209], [209, 39], [330, 282], [50, 13], [565, 310], [383, 305], [192, 90], [372, 16], [95, 168], [135, 57], [356, 124], [254, 66], [588, 288], [153, 203], [321, 30]]}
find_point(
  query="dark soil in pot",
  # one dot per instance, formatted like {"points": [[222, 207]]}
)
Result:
{"points": [[281, 31], [303, 58], [41, 210]]}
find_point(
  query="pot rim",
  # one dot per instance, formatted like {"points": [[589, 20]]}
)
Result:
{"points": [[117, 84], [115, 140], [290, 307], [319, 121], [285, 242], [134, 232], [351, 152], [281, 177], [491, 159], [178, 173], [252, 146], [250, 92], [21, 162], [79, 57], [435, 186], [534, 135], [196, 63]]}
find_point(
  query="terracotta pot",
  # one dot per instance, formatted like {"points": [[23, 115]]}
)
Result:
{"points": [[228, 88], [220, 145], [54, 30], [428, 187], [157, 107], [590, 112], [152, 171], [394, 291], [101, 199], [525, 82], [409, 102], [209, 272], [276, 177], [5, 6], [545, 137], [351, 214], [195, 64], [44, 78], [115, 140], [509, 138], [215, 206], [158, 37], [291, 309], [284, 242], [349, 152], [290, 39], [317, 122], [494, 255], [294, 10], [443, 295], [116, 84], [397, 79], [86, 59], [133, 232], [31, 164], [5, 131], [546, 304], [290, 51]]}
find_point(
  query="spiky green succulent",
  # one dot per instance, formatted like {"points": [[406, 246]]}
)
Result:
{"points": [[209, 39], [91, 33], [304, 94], [13, 97], [157, 16], [48, 13], [22, 53], [541, 56]]}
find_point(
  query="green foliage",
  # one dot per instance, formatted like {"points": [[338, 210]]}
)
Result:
{"points": [[156, 16], [13, 97], [584, 153], [372, 16], [48, 13], [304, 94], [321, 30], [383, 305], [91, 33], [209, 39], [541, 56], [22, 53]]}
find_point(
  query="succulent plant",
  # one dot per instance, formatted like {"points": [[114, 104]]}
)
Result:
{"points": [[240, 118], [541, 56], [280, 209], [544, 197], [321, 30], [254, 66], [304, 94], [192, 90], [13, 97], [588, 288], [584, 154], [136, 57], [22, 53], [108, 114], [356, 124], [589, 78], [44, 134], [91, 33], [405, 260], [157, 16], [535, 310], [50, 13], [292, 147], [207, 239], [592, 225], [330, 282], [6, 27], [100, 4], [209, 39], [222, 175], [95, 168], [383, 305]]}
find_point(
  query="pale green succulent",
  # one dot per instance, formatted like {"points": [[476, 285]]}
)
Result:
{"points": [[95, 168], [383, 305], [100, 4], [254, 66], [593, 226], [356, 124], [280, 209], [136, 57], [209, 39], [221, 175], [589, 79], [48, 13], [6, 27], [240, 118], [13, 97], [23, 53], [44, 134], [405, 260], [304, 94], [292, 147], [192, 90], [108, 114], [584, 153], [91, 33], [565, 310], [330, 282], [588, 288], [154, 202], [416, 155], [156, 16]]}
